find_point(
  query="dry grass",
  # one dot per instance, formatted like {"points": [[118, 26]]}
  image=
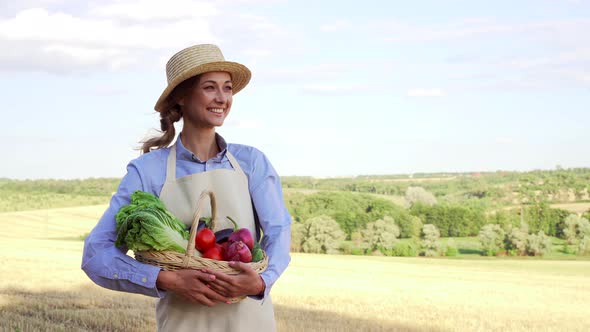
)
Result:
{"points": [[43, 288]]}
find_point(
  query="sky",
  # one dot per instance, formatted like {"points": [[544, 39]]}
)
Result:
{"points": [[339, 88]]}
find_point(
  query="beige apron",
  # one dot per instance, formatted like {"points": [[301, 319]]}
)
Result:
{"points": [[233, 199]]}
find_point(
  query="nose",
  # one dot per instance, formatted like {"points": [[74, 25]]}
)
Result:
{"points": [[221, 97]]}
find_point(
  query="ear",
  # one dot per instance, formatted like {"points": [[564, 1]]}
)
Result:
{"points": [[181, 102]]}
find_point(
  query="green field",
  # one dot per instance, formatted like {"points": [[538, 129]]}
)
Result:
{"points": [[43, 288]]}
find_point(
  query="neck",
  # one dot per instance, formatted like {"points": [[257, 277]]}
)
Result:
{"points": [[200, 142]]}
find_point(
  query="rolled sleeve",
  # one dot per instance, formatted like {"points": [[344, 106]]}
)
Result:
{"points": [[109, 266]]}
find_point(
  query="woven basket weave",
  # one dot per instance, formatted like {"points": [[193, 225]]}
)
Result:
{"points": [[172, 260]]}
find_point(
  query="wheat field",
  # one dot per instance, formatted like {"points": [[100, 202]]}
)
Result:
{"points": [[43, 289]]}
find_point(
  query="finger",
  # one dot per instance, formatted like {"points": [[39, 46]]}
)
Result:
{"points": [[239, 266], [219, 297], [221, 290], [222, 283], [214, 295], [227, 288], [218, 275], [243, 267], [223, 287], [204, 300], [205, 277]]}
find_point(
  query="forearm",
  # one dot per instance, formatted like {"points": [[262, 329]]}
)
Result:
{"points": [[110, 268]]}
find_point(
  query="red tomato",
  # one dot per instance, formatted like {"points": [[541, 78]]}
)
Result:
{"points": [[205, 240], [213, 253]]}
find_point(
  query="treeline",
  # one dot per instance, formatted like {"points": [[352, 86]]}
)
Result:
{"points": [[18, 195], [329, 222], [353, 212], [85, 187], [350, 220], [501, 187], [488, 189]]}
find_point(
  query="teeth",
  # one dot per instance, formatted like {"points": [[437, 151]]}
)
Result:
{"points": [[216, 110]]}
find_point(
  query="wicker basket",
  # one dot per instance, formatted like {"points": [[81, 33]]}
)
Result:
{"points": [[172, 260]]}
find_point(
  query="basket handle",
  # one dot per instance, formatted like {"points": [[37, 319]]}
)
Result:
{"points": [[190, 250]]}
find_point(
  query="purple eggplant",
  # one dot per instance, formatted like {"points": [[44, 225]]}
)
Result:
{"points": [[223, 235]]}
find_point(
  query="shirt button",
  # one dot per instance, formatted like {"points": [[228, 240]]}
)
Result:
{"points": [[144, 279], [116, 276]]}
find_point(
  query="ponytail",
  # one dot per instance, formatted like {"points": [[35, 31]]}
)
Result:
{"points": [[169, 116], [167, 119]]}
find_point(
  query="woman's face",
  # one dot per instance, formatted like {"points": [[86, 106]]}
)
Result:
{"points": [[209, 101]]}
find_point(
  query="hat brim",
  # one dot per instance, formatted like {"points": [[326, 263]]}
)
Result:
{"points": [[240, 76]]}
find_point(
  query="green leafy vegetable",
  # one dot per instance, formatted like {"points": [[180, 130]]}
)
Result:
{"points": [[145, 224]]}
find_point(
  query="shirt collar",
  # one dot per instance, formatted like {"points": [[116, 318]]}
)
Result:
{"points": [[182, 153]]}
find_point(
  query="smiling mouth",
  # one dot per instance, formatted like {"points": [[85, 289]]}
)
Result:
{"points": [[216, 110]]}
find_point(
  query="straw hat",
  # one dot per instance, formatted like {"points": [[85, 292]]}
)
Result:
{"points": [[196, 60]]}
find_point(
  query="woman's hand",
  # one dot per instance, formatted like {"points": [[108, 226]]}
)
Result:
{"points": [[247, 282], [192, 285]]}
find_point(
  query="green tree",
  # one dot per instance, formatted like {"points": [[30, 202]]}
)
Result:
{"points": [[430, 243], [451, 220], [491, 237], [381, 235], [505, 219], [516, 240], [575, 228], [322, 235], [538, 244], [410, 227], [584, 246], [351, 211], [541, 217], [299, 231], [419, 195]]}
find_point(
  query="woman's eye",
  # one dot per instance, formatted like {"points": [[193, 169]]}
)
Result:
{"points": [[229, 87], [209, 87]]}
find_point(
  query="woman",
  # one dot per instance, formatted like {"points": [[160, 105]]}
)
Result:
{"points": [[201, 85]]}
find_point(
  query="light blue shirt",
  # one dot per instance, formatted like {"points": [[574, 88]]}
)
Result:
{"points": [[110, 267]]}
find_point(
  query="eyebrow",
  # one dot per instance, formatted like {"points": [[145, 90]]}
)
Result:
{"points": [[211, 81]]}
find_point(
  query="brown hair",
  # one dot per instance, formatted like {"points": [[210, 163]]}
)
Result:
{"points": [[170, 114]]}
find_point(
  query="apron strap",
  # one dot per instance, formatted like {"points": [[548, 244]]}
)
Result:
{"points": [[234, 163], [171, 165], [237, 168]]}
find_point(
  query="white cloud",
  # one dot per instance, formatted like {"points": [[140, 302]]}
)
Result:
{"points": [[402, 32], [41, 40], [117, 35], [563, 58], [338, 25], [421, 92], [150, 10], [39, 26], [569, 32], [331, 71]]}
